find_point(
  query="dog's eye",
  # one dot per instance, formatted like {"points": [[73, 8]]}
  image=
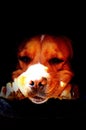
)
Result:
{"points": [[55, 61], [25, 59]]}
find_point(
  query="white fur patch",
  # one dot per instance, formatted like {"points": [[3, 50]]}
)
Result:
{"points": [[42, 37]]}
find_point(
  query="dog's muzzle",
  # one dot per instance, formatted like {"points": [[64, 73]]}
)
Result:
{"points": [[33, 82], [38, 90]]}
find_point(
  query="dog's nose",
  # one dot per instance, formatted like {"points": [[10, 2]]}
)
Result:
{"points": [[38, 84]]}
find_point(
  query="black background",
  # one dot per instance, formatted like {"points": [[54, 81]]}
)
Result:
{"points": [[19, 23], [14, 29]]}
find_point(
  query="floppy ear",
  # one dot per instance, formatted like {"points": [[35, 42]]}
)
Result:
{"points": [[69, 91], [65, 76]]}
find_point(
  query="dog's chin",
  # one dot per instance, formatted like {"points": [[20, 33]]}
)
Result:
{"points": [[38, 100]]}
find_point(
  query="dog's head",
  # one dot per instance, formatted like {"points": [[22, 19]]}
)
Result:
{"points": [[44, 69]]}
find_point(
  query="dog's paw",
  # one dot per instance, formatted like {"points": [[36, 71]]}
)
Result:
{"points": [[70, 92], [11, 91]]}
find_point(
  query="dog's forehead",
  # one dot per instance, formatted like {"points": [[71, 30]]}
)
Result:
{"points": [[45, 43], [60, 46]]}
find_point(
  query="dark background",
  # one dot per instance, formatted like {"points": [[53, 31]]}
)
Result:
{"points": [[13, 31], [17, 25]]}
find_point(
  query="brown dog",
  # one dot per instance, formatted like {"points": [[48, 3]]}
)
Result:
{"points": [[43, 70]]}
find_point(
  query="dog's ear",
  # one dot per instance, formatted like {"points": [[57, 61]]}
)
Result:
{"points": [[70, 90], [65, 76]]}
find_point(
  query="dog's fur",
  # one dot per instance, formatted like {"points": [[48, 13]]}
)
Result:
{"points": [[43, 70]]}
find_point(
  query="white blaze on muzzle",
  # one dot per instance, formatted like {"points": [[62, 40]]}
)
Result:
{"points": [[33, 73]]}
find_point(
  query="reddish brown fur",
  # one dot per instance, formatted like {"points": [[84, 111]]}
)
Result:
{"points": [[44, 50]]}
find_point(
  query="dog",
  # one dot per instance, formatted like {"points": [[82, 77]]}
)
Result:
{"points": [[43, 70]]}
